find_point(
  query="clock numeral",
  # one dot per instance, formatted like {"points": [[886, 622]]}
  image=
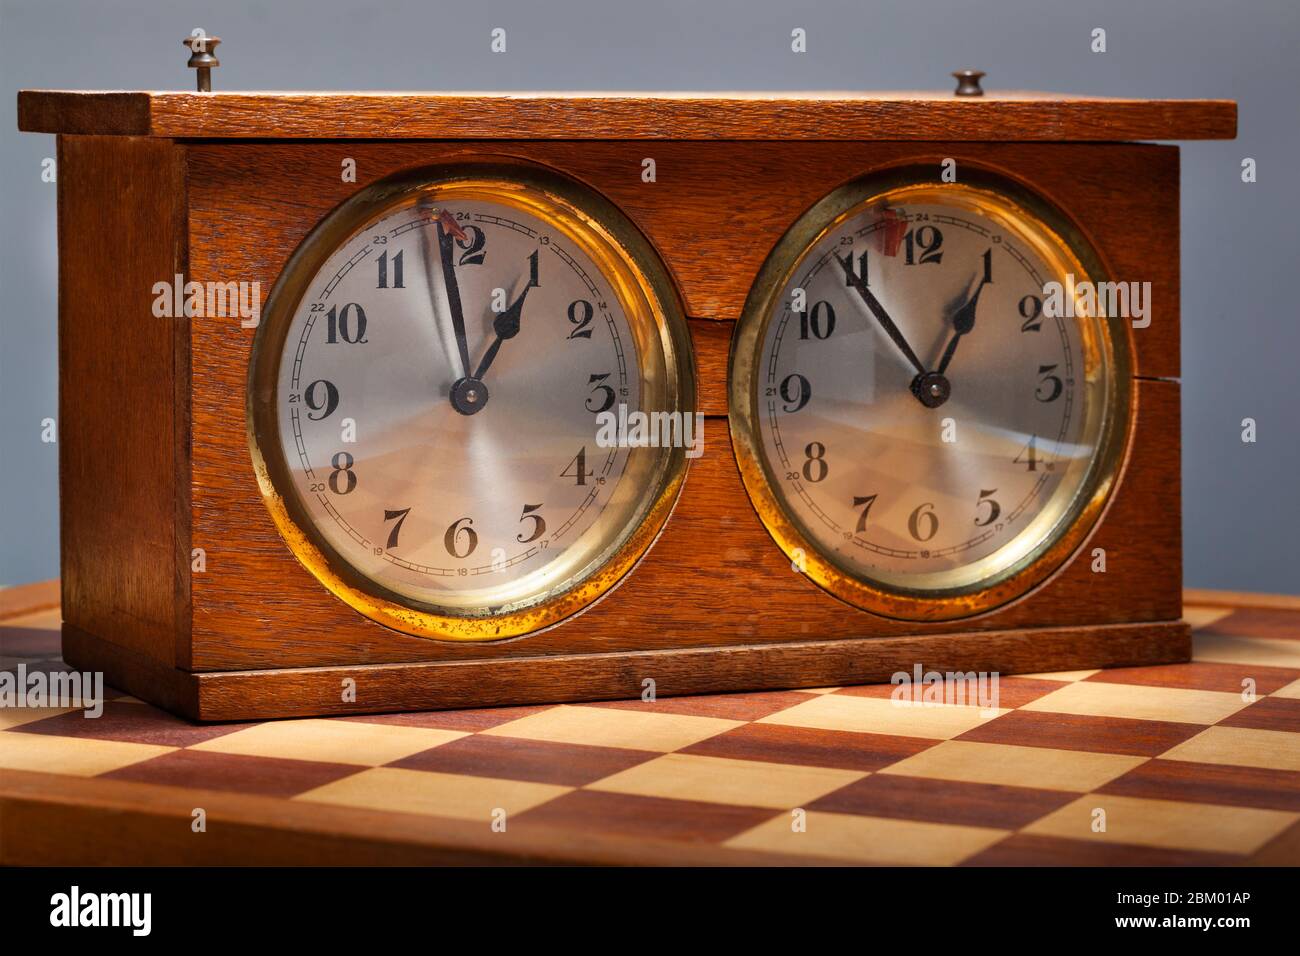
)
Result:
{"points": [[820, 321], [815, 468], [865, 503], [923, 514], [1028, 455], [1031, 310], [988, 265], [854, 277], [397, 528], [577, 469], [580, 313], [796, 390], [606, 403], [1052, 382], [460, 528], [539, 524], [929, 240], [341, 326], [342, 462], [383, 271], [473, 244], [533, 282], [995, 509], [325, 404]]}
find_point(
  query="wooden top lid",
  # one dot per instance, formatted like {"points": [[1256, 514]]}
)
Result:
{"points": [[557, 115]]}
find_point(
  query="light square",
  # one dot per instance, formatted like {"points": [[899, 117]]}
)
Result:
{"points": [[1064, 676], [749, 783], [1165, 823], [1204, 616], [1012, 766], [1291, 691], [1241, 747], [861, 839], [1139, 702], [434, 794], [610, 727], [51, 619], [73, 756], [1227, 649], [17, 716], [330, 741], [881, 715]]}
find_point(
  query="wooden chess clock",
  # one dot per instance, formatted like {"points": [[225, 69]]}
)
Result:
{"points": [[419, 478]]}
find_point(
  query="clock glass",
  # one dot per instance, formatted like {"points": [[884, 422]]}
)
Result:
{"points": [[426, 390], [920, 423]]}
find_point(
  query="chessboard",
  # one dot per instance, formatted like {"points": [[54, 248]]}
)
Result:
{"points": [[1185, 764]]}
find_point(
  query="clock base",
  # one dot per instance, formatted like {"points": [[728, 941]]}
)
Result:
{"points": [[214, 696]]}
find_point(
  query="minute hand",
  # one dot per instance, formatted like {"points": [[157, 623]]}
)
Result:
{"points": [[879, 312], [448, 231]]}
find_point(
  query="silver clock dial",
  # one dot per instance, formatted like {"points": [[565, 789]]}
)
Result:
{"points": [[437, 394], [922, 422]]}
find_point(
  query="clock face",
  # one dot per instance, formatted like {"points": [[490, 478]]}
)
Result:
{"points": [[917, 428], [427, 392]]}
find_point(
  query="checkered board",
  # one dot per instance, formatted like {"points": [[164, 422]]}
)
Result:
{"points": [[1179, 763]]}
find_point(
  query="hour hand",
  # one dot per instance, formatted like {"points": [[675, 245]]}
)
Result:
{"points": [[963, 321], [859, 283], [506, 324]]}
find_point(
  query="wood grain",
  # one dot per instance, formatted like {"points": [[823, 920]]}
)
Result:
{"points": [[715, 211], [141, 672], [56, 820], [712, 344], [123, 480], [541, 678], [20, 600], [576, 115]]}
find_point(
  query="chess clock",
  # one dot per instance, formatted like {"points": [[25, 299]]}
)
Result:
{"points": [[942, 454], [347, 403]]}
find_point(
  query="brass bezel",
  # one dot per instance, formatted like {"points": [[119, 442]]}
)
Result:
{"points": [[1001, 198], [654, 310]]}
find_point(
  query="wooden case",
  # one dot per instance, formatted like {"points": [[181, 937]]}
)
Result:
{"points": [[153, 451]]}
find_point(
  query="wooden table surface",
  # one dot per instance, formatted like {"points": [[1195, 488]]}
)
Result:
{"points": [[1194, 763]]}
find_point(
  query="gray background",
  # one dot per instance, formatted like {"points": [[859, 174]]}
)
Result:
{"points": [[1241, 336]]}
